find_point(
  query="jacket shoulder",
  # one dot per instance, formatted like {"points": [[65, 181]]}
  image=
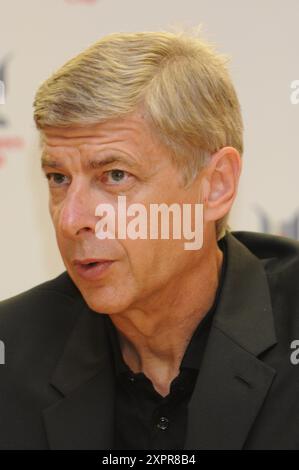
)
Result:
{"points": [[279, 254], [34, 326], [280, 259], [46, 300]]}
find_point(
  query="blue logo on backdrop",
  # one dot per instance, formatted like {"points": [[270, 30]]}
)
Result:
{"points": [[3, 80], [288, 227], [7, 142]]}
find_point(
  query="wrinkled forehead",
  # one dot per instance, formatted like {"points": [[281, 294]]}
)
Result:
{"points": [[133, 129], [130, 136]]}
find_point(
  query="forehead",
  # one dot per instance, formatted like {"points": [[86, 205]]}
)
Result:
{"points": [[129, 140], [132, 131]]}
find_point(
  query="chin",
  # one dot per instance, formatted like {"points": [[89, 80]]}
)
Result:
{"points": [[102, 300]]}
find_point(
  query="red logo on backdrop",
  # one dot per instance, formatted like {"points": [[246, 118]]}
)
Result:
{"points": [[7, 143], [88, 2]]}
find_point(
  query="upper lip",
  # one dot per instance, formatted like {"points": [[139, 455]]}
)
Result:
{"points": [[90, 260]]}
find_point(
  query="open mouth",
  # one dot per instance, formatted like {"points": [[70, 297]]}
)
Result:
{"points": [[94, 264], [93, 270]]}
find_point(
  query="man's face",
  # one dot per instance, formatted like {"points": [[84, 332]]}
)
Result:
{"points": [[128, 160]]}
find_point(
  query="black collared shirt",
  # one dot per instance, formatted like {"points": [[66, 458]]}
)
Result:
{"points": [[144, 419]]}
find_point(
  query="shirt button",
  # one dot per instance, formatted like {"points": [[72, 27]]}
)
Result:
{"points": [[132, 379], [163, 423]]}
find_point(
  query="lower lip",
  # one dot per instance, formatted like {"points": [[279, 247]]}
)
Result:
{"points": [[92, 273]]}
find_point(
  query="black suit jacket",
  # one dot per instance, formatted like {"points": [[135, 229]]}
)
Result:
{"points": [[57, 384]]}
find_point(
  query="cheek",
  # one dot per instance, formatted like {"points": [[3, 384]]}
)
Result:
{"points": [[137, 269], [169, 259], [150, 261], [54, 214]]}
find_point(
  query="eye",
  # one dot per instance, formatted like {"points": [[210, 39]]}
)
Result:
{"points": [[55, 179], [115, 176]]}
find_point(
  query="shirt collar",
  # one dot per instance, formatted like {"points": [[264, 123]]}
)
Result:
{"points": [[195, 348]]}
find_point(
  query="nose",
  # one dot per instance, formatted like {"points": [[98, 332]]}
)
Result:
{"points": [[77, 215]]}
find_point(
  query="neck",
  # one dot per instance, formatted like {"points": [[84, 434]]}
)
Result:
{"points": [[153, 339]]}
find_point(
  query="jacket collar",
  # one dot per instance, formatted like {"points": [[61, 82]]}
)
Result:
{"points": [[84, 375], [233, 382], [231, 386], [244, 311]]}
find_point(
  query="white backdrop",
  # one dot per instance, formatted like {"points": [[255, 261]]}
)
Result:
{"points": [[38, 36]]}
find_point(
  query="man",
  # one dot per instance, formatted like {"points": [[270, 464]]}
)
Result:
{"points": [[142, 343]]}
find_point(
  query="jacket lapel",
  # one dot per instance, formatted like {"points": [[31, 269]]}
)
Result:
{"points": [[83, 417], [233, 382]]}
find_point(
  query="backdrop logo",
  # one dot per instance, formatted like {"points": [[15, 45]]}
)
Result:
{"points": [[287, 228], [3, 88], [2, 92], [87, 2], [294, 96], [7, 143]]}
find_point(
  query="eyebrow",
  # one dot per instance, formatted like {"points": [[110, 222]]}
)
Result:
{"points": [[91, 164]]}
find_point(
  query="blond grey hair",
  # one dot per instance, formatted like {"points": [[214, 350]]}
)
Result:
{"points": [[181, 83]]}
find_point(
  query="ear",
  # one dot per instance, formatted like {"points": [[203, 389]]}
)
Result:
{"points": [[219, 183]]}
